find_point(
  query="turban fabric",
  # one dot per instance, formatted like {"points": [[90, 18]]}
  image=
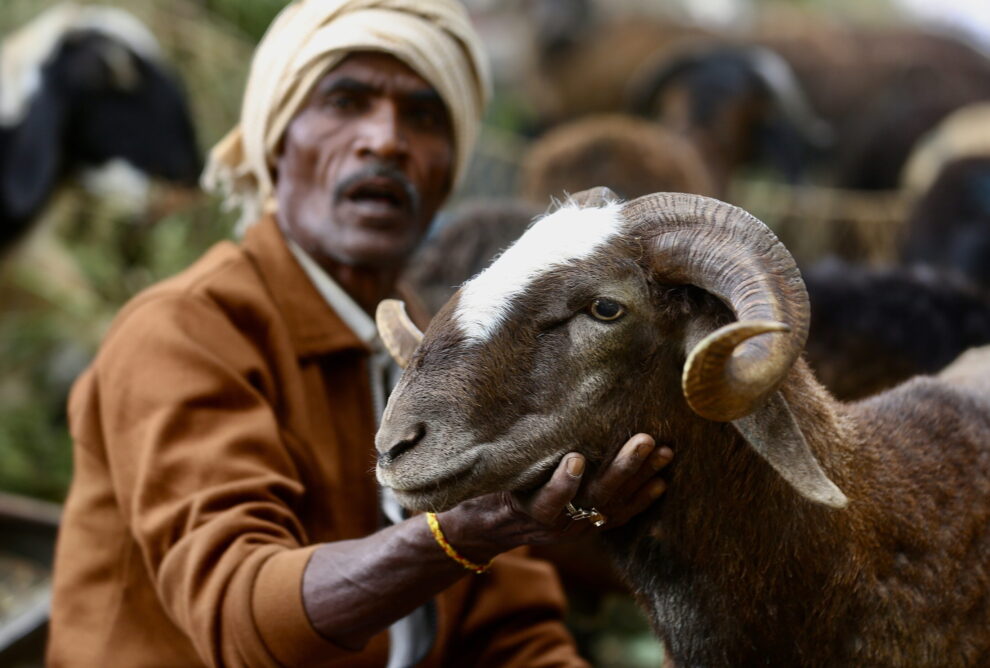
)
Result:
{"points": [[309, 37]]}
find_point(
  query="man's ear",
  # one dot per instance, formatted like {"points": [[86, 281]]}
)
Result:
{"points": [[774, 433]]}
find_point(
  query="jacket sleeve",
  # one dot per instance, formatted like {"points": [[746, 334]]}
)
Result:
{"points": [[514, 618], [205, 480]]}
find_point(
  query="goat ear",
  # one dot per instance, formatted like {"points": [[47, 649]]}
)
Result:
{"points": [[592, 197], [30, 168], [774, 433]]}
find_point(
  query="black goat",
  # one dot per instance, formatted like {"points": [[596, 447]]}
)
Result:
{"points": [[949, 227], [865, 82], [874, 328], [739, 104], [98, 101]]}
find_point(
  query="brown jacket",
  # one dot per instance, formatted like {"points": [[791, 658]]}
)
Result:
{"points": [[226, 425]]}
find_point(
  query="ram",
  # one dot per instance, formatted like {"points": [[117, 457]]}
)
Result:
{"points": [[796, 530]]}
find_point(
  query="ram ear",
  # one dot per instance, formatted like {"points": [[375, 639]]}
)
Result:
{"points": [[774, 433], [594, 197]]}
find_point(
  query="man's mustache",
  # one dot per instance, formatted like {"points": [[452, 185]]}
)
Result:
{"points": [[385, 171]]}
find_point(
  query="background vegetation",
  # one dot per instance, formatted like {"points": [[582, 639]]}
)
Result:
{"points": [[60, 289]]}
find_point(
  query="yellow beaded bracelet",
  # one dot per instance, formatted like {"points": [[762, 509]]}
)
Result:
{"points": [[431, 519]]}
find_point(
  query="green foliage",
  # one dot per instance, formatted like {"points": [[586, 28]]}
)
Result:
{"points": [[612, 631], [33, 441], [251, 16], [61, 287]]}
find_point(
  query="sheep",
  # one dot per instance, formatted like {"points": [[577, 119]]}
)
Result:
{"points": [[873, 328], [864, 82], [965, 133], [740, 104], [630, 155], [796, 530], [587, 71], [948, 173], [949, 227], [84, 88]]}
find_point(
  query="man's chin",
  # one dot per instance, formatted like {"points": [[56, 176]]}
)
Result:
{"points": [[373, 243], [372, 248], [377, 214]]}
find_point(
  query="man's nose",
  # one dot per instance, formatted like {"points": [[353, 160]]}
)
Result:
{"points": [[382, 134]]}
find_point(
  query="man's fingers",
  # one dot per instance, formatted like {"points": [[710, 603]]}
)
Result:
{"points": [[548, 502], [622, 471], [640, 501], [656, 462]]}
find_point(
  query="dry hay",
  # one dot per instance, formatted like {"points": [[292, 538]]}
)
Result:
{"points": [[816, 222]]}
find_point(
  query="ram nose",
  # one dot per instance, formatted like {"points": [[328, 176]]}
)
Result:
{"points": [[393, 443]]}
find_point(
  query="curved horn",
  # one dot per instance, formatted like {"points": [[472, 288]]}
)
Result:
{"points": [[724, 250], [400, 335]]}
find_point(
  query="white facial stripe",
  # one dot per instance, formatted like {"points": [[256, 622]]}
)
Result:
{"points": [[568, 234]]}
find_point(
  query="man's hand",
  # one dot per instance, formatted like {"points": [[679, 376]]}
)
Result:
{"points": [[403, 565], [488, 525]]}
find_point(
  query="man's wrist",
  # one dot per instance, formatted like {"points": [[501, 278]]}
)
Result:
{"points": [[450, 551], [470, 532]]}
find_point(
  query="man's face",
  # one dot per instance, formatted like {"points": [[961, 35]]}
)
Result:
{"points": [[365, 164]]}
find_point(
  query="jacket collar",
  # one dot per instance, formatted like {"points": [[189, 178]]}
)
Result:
{"points": [[315, 328]]}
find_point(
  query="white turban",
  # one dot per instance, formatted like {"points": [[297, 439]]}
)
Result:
{"points": [[309, 37]]}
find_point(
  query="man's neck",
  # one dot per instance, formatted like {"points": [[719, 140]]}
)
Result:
{"points": [[366, 285]]}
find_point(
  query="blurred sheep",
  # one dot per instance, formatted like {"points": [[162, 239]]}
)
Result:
{"points": [[85, 89], [741, 105], [880, 88], [949, 223], [949, 227], [631, 156], [872, 328], [586, 69]]}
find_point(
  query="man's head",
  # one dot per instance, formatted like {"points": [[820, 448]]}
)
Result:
{"points": [[293, 154], [365, 163]]}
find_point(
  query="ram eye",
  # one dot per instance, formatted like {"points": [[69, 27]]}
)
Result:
{"points": [[606, 310]]}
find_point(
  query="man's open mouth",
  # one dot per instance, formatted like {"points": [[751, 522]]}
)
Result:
{"points": [[381, 193]]}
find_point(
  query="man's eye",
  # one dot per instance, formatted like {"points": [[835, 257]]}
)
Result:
{"points": [[427, 118], [342, 102]]}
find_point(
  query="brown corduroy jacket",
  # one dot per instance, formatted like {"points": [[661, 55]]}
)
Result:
{"points": [[224, 429]]}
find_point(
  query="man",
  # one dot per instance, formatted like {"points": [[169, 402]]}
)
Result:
{"points": [[224, 509]]}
